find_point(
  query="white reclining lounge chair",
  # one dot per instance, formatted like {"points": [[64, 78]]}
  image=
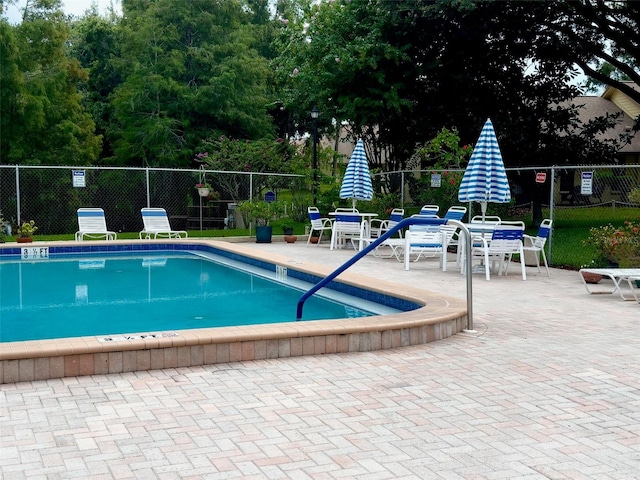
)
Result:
{"points": [[156, 224], [92, 225]]}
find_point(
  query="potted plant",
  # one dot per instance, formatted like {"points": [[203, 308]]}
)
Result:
{"points": [[616, 245], [287, 231], [261, 213], [3, 229], [26, 231], [203, 189]]}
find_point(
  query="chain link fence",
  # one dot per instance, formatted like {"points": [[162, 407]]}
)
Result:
{"points": [[52, 195], [576, 198]]}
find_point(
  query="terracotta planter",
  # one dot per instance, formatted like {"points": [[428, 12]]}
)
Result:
{"points": [[314, 239], [290, 238], [591, 277], [24, 239]]}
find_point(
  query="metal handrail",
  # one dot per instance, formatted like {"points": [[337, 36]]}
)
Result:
{"points": [[402, 224]]}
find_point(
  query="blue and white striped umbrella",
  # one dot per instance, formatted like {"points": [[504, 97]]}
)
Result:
{"points": [[356, 183], [485, 179]]}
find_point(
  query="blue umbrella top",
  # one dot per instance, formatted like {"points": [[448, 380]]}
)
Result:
{"points": [[356, 183], [485, 179]]}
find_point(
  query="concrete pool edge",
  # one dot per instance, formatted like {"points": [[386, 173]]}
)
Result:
{"points": [[439, 318]]}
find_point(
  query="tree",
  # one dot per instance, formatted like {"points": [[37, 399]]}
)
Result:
{"points": [[95, 44], [186, 72], [597, 33], [41, 114]]}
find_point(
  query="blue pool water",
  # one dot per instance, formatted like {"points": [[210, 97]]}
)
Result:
{"points": [[73, 295]]}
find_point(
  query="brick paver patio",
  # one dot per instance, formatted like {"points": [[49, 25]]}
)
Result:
{"points": [[547, 387]]}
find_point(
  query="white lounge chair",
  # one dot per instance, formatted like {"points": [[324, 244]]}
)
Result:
{"points": [[156, 224], [617, 276], [429, 209], [92, 225]]}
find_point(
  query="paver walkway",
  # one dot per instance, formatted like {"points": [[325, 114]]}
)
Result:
{"points": [[548, 388]]}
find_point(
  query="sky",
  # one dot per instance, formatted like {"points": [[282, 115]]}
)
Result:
{"points": [[70, 7]]}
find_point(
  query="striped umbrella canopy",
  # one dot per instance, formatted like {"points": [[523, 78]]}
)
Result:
{"points": [[485, 179], [356, 183]]}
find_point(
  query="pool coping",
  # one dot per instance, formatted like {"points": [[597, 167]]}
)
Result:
{"points": [[440, 317]]}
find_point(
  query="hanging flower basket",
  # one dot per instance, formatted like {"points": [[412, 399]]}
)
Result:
{"points": [[203, 189]]}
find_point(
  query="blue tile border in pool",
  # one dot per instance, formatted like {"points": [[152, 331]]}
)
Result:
{"points": [[377, 297]]}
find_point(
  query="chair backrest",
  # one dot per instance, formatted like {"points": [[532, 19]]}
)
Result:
{"points": [[422, 240], [506, 239], [424, 228], [429, 209], [455, 213], [155, 220], [544, 230], [91, 220], [315, 218], [347, 209], [491, 219], [347, 223], [396, 215]]}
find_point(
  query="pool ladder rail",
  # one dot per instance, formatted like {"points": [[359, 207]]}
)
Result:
{"points": [[405, 223]]}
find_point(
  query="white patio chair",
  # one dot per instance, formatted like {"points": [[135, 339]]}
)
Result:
{"points": [[505, 241], [318, 224], [425, 243], [92, 225], [536, 244], [346, 226], [156, 224], [455, 212], [379, 226]]}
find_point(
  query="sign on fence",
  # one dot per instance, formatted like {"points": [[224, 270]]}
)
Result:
{"points": [[586, 187], [541, 177], [79, 178]]}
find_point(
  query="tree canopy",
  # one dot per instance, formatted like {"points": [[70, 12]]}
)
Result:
{"points": [[148, 87]]}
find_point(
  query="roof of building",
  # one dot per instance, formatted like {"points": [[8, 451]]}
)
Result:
{"points": [[594, 106]]}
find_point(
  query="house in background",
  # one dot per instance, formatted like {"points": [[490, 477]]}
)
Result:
{"points": [[613, 101], [609, 184]]}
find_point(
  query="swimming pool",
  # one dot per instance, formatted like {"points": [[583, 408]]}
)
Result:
{"points": [[125, 293], [438, 317]]}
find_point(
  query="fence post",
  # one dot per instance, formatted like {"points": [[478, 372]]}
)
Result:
{"points": [[18, 195], [146, 174], [552, 197]]}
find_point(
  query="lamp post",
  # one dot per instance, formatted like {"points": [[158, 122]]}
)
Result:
{"points": [[315, 113]]}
